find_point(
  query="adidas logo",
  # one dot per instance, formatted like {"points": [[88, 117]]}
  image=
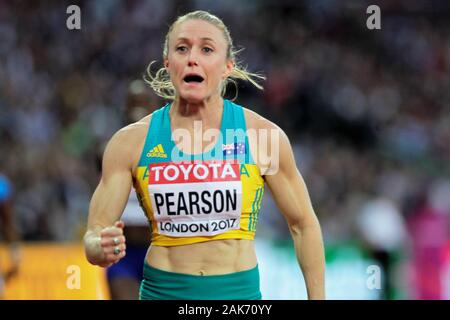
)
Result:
{"points": [[157, 152]]}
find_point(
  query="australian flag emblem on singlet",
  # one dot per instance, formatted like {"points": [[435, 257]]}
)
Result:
{"points": [[233, 148]]}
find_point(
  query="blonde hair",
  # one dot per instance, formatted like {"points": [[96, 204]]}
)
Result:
{"points": [[161, 83]]}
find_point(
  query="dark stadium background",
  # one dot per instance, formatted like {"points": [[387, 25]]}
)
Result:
{"points": [[367, 112]]}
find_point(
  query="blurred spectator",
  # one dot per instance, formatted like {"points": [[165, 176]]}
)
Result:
{"points": [[383, 230], [8, 231], [429, 228]]}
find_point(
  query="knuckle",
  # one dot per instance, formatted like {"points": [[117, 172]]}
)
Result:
{"points": [[114, 231], [104, 243]]}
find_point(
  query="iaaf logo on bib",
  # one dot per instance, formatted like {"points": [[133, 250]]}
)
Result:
{"points": [[194, 172]]}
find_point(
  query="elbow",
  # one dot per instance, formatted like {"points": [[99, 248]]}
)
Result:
{"points": [[301, 223], [295, 227]]}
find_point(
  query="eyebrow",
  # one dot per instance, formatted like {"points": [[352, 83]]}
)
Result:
{"points": [[204, 38]]}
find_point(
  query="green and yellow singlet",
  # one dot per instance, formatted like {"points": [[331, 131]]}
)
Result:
{"points": [[201, 197]]}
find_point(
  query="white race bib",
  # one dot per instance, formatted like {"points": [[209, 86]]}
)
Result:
{"points": [[195, 198]]}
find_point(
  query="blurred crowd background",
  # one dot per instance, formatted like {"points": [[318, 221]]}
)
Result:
{"points": [[367, 112]]}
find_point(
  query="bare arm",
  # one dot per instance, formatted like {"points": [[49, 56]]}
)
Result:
{"points": [[291, 195], [108, 202]]}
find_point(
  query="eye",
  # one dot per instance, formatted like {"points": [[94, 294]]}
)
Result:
{"points": [[181, 48], [207, 50]]}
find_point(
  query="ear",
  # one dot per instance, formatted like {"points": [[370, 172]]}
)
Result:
{"points": [[166, 63], [228, 69]]}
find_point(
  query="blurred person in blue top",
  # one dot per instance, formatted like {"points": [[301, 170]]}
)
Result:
{"points": [[8, 231]]}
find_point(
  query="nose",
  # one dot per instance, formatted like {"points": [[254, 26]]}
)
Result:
{"points": [[192, 60]]}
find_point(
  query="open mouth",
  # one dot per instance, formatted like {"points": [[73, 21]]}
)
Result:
{"points": [[193, 78]]}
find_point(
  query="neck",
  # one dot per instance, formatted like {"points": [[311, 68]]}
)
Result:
{"points": [[186, 114], [208, 109]]}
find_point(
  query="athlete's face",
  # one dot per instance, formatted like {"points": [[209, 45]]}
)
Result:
{"points": [[197, 60]]}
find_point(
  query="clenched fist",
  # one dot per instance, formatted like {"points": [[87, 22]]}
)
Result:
{"points": [[112, 242]]}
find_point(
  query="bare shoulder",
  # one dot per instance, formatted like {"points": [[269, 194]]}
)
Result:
{"points": [[125, 146], [256, 122], [132, 134], [269, 144]]}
